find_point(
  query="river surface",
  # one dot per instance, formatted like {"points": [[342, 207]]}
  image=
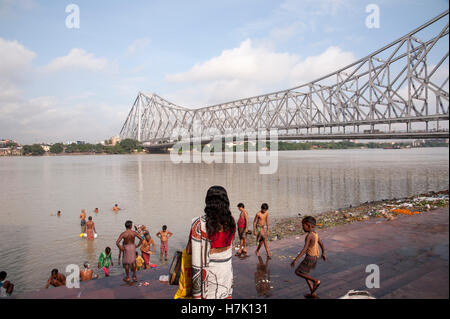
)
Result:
{"points": [[154, 191]]}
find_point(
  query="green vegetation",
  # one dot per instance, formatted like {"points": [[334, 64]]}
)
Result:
{"points": [[129, 145], [84, 148], [126, 146], [434, 143], [288, 146], [11, 144], [57, 148], [34, 150]]}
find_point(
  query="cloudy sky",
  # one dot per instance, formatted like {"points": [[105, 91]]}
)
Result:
{"points": [[64, 84]]}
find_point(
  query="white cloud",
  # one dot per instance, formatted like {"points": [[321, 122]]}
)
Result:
{"points": [[137, 44], [77, 59], [251, 70], [15, 57], [48, 118], [314, 67], [15, 65]]}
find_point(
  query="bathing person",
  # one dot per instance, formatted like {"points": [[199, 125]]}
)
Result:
{"points": [[210, 245], [105, 260], [242, 225], [96, 210], [139, 262], [90, 228], [87, 273], [260, 222], [141, 230], [311, 249], [6, 287], [116, 208], [83, 221], [128, 248], [164, 236], [58, 213], [56, 279], [145, 249]]}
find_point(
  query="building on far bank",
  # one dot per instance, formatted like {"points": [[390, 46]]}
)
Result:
{"points": [[10, 151], [112, 141], [115, 140]]}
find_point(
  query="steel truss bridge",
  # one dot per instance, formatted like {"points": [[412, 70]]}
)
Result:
{"points": [[399, 91]]}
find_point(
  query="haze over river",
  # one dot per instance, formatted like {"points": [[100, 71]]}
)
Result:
{"points": [[153, 191]]}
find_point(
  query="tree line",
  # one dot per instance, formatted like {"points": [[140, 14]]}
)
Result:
{"points": [[125, 146]]}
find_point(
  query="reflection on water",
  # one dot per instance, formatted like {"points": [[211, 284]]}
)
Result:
{"points": [[262, 278], [154, 192]]}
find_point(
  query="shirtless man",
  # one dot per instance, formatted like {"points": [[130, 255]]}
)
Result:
{"points": [[87, 273], [259, 223], [96, 210], [90, 229], [128, 248], [164, 236], [116, 208], [56, 279], [83, 221], [145, 249]]}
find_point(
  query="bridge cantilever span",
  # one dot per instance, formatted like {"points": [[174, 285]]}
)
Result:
{"points": [[405, 83]]}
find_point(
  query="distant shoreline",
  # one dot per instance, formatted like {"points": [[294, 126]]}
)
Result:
{"points": [[285, 150]]}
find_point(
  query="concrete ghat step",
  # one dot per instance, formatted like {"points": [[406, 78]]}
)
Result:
{"points": [[431, 280], [405, 277]]}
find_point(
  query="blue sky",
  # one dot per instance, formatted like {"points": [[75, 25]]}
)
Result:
{"points": [[61, 84]]}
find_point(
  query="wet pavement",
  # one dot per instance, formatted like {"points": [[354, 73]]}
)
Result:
{"points": [[411, 252]]}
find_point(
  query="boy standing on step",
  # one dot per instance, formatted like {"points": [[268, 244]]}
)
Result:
{"points": [[311, 249]]}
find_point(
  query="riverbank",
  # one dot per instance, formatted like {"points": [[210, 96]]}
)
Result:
{"points": [[411, 252], [385, 209]]}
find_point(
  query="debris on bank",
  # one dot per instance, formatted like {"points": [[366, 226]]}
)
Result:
{"points": [[384, 209]]}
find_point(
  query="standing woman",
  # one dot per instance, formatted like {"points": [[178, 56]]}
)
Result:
{"points": [[210, 244]]}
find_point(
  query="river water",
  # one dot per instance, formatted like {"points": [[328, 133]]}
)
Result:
{"points": [[154, 191]]}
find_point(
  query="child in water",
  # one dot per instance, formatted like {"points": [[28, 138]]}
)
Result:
{"points": [[105, 260], [139, 262], [311, 249]]}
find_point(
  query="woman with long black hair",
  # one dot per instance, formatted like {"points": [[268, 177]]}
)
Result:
{"points": [[210, 243]]}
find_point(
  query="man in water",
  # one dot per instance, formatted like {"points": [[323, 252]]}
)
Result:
{"points": [[6, 287], [260, 222], [145, 249], [164, 236], [90, 229], [116, 208], [58, 213], [87, 273], [56, 279], [128, 248], [96, 210], [83, 221]]}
